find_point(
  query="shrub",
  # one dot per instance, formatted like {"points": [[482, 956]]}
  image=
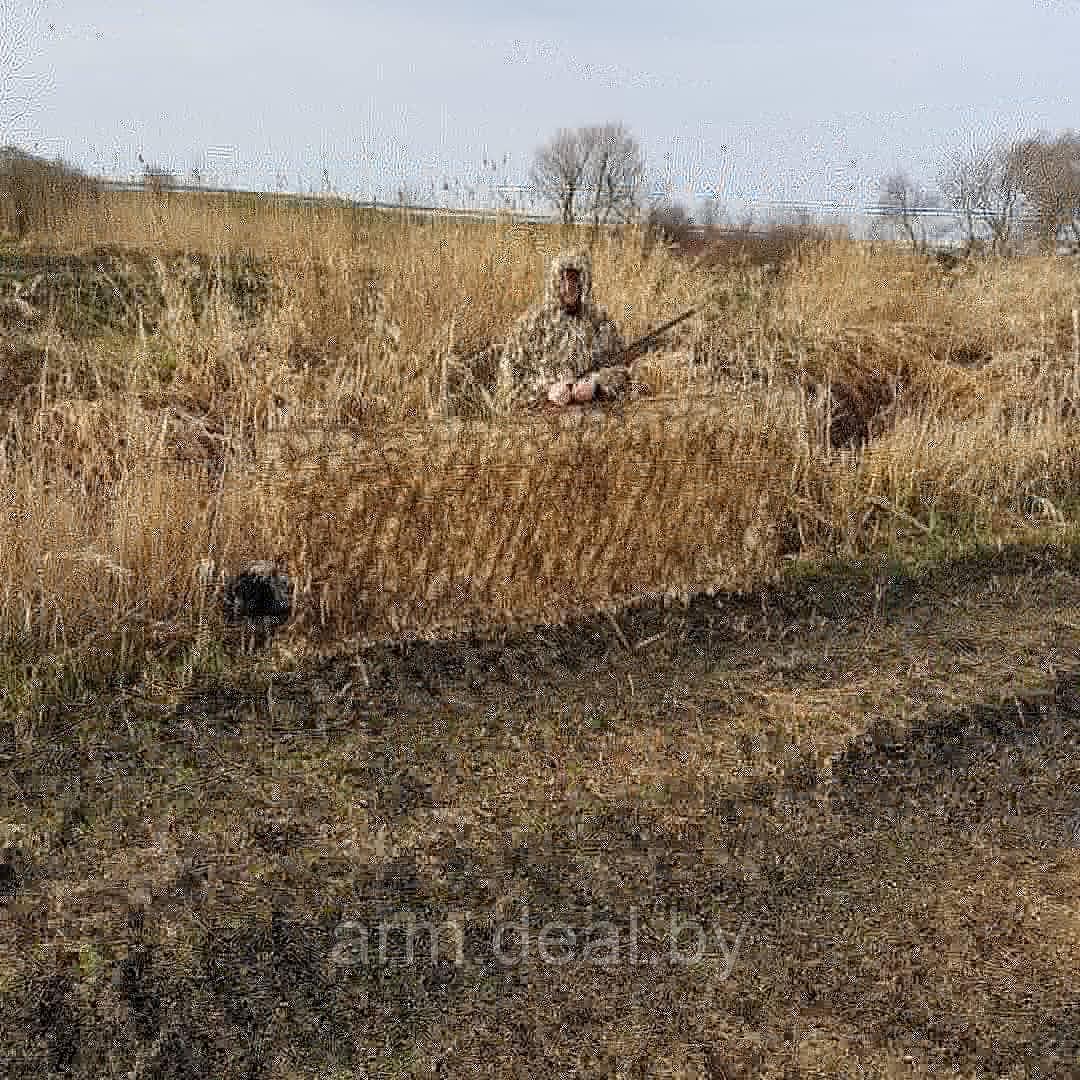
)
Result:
{"points": [[671, 223], [769, 245], [36, 193]]}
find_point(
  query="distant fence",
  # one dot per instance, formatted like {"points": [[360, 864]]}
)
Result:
{"points": [[817, 213], [822, 209], [139, 186]]}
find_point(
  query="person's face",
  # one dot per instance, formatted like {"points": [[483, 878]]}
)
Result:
{"points": [[570, 289]]}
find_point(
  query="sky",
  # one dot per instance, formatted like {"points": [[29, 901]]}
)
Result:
{"points": [[753, 104]]}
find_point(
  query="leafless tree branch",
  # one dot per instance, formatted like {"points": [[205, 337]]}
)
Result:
{"points": [[593, 173]]}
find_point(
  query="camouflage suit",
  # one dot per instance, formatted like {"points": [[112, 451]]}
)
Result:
{"points": [[548, 344]]}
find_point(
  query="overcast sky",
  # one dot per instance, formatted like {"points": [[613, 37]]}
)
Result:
{"points": [[774, 100]]}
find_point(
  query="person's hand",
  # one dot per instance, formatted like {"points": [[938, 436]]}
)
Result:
{"points": [[560, 393], [584, 389]]}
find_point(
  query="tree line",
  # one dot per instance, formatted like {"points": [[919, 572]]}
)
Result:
{"points": [[999, 196], [1003, 195]]}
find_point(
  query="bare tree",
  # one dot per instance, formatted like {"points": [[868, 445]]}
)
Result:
{"points": [[960, 188], [1049, 171], [905, 204], [592, 173], [558, 173], [983, 187], [615, 173]]}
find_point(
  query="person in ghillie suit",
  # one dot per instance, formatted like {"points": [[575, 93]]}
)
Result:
{"points": [[552, 345]]}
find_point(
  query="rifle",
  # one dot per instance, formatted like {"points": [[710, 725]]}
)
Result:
{"points": [[638, 345], [612, 359]]}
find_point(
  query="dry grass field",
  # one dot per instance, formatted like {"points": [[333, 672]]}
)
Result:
{"points": [[215, 343], [686, 658]]}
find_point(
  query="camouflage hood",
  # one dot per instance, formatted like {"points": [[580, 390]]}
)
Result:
{"points": [[570, 260]]}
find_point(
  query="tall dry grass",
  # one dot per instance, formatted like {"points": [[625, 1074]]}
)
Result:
{"points": [[37, 194], [346, 422]]}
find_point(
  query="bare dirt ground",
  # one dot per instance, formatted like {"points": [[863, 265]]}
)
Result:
{"points": [[863, 789]]}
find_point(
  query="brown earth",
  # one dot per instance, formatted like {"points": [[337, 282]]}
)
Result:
{"points": [[872, 776]]}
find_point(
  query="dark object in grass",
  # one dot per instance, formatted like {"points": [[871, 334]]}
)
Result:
{"points": [[11, 867], [260, 592]]}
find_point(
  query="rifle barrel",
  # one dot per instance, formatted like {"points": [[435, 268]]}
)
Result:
{"points": [[654, 334]]}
